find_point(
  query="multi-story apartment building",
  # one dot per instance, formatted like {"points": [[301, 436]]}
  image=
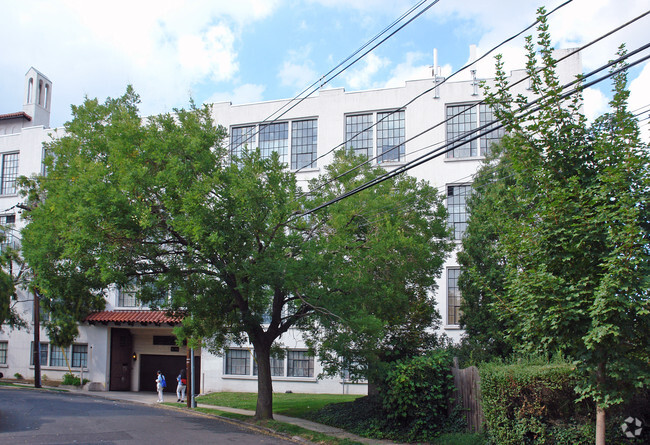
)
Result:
{"points": [[121, 347]]}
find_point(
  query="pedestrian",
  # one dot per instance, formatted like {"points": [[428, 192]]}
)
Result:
{"points": [[160, 385], [181, 386]]}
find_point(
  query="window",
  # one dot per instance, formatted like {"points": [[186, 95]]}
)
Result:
{"points": [[58, 356], [126, 297], [7, 238], [274, 137], [359, 135], [453, 296], [486, 115], [456, 208], [241, 137], [3, 352], [390, 136], [303, 144], [464, 122], [467, 118], [44, 348], [237, 362], [79, 356], [277, 366], [299, 364], [9, 174]]}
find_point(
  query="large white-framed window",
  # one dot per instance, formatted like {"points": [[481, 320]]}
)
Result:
{"points": [[464, 119], [126, 297], [4, 347], [237, 362], [9, 170], [299, 364], [241, 137], [304, 136], [300, 145], [387, 142], [359, 134], [457, 195], [453, 296]]}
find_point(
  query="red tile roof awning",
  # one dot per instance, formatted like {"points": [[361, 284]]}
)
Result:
{"points": [[131, 317], [15, 115]]}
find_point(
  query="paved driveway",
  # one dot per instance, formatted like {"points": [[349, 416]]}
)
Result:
{"points": [[46, 417]]}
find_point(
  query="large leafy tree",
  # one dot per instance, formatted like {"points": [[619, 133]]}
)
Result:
{"points": [[573, 238], [160, 200]]}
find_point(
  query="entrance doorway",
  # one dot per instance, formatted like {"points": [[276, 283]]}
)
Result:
{"points": [[170, 365], [121, 350]]}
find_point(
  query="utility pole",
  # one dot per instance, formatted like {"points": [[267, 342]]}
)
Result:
{"points": [[37, 341], [188, 370]]}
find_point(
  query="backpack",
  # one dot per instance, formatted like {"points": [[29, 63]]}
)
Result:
{"points": [[163, 383]]}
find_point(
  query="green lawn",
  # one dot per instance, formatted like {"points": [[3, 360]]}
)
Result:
{"points": [[294, 405]]}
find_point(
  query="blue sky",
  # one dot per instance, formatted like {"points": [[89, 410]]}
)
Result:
{"points": [[253, 50]]}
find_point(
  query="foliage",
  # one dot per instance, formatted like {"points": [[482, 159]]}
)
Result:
{"points": [[395, 239], [162, 203], [416, 394], [12, 274], [534, 402], [573, 239], [71, 379], [18, 376]]}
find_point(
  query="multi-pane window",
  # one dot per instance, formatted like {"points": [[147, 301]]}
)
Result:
{"points": [[126, 297], [79, 356], [466, 119], [359, 134], [3, 352], [453, 296], [275, 138], [241, 137], [303, 144], [457, 208], [299, 364], [44, 349], [9, 174], [277, 367], [58, 356], [486, 115], [391, 132], [7, 238], [462, 119], [237, 362]]}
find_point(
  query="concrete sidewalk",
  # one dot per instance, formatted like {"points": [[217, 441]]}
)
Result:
{"points": [[150, 398]]}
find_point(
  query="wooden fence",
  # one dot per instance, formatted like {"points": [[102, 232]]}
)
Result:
{"points": [[468, 395]]}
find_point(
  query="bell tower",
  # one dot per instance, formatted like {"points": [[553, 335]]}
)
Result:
{"points": [[38, 97]]}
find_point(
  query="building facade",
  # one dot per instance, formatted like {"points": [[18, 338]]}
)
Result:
{"points": [[121, 347]]}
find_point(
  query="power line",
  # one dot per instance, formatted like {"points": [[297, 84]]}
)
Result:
{"points": [[475, 104], [322, 82], [464, 139], [439, 84]]}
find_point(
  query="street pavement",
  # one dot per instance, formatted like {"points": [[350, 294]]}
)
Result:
{"points": [[148, 399]]}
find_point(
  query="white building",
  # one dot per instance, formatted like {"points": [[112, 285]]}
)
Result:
{"points": [[121, 347]]}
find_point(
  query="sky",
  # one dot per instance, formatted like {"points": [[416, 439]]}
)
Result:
{"points": [[243, 51]]}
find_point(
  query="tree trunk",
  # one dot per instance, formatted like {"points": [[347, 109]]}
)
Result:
{"points": [[264, 409], [600, 411], [600, 425]]}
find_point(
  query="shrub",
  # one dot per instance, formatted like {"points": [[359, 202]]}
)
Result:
{"points": [[18, 376], [70, 379], [416, 395]]}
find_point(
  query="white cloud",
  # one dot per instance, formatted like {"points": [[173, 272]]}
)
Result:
{"points": [[210, 54], [361, 76], [640, 97], [595, 103]]}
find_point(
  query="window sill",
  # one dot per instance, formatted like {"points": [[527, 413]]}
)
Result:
{"points": [[453, 327], [468, 158], [58, 368], [4, 365], [306, 170], [274, 378]]}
